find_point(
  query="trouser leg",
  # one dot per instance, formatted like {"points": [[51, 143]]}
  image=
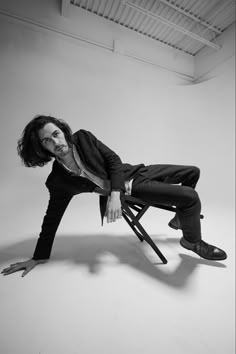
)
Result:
{"points": [[173, 174], [158, 188]]}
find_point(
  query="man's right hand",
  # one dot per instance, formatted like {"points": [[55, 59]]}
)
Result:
{"points": [[26, 265]]}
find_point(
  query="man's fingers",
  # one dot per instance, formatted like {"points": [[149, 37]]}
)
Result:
{"points": [[116, 215], [6, 269], [27, 271], [119, 214], [113, 215], [109, 215], [13, 270], [12, 266], [9, 268], [26, 266]]}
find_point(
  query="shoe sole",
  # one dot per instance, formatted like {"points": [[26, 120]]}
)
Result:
{"points": [[173, 226]]}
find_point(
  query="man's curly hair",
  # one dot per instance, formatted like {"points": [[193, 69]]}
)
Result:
{"points": [[29, 147]]}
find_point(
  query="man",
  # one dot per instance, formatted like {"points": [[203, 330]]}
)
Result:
{"points": [[83, 164]]}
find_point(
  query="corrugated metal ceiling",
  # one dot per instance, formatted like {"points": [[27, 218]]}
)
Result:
{"points": [[187, 25]]}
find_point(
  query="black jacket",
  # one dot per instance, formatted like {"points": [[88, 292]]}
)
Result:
{"points": [[62, 185]]}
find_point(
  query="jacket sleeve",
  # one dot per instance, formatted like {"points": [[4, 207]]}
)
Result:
{"points": [[113, 164], [57, 205]]}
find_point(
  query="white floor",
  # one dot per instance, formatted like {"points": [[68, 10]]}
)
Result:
{"points": [[104, 291]]}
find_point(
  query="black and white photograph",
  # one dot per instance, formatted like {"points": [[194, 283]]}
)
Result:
{"points": [[117, 177]]}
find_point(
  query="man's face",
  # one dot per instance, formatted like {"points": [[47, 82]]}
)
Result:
{"points": [[53, 139]]}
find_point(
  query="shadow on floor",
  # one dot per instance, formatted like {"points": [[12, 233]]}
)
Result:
{"points": [[89, 250]]}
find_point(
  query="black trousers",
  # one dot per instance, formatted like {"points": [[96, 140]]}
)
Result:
{"points": [[173, 185]]}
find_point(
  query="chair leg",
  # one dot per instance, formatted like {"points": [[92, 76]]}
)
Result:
{"points": [[144, 234], [133, 227]]}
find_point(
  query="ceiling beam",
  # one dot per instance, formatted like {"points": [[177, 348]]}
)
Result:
{"points": [[65, 5], [192, 16], [171, 24]]}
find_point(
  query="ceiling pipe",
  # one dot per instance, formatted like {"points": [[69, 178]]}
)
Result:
{"points": [[171, 24]]}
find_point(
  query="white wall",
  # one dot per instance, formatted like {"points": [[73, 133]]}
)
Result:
{"points": [[208, 62]]}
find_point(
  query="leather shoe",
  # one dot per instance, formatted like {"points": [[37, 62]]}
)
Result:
{"points": [[174, 223], [204, 250]]}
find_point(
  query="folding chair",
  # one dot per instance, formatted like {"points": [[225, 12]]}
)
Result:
{"points": [[130, 203]]}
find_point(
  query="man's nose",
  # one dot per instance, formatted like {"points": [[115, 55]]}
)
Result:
{"points": [[55, 141]]}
